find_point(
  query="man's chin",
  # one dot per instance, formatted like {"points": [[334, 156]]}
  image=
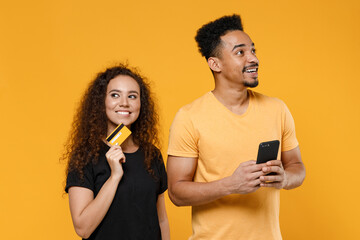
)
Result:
{"points": [[251, 84]]}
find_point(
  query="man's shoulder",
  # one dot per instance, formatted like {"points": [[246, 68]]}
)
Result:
{"points": [[264, 99], [196, 104]]}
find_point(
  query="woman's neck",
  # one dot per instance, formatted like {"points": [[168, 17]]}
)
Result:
{"points": [[129, 146]]}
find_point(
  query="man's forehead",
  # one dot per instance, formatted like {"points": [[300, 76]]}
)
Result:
{"points": [[236, 37]]}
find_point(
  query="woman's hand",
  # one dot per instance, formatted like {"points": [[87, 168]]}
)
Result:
{"points": [[115, 158]]}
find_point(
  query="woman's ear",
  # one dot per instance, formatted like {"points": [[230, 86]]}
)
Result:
{"points": [[214, 64]]}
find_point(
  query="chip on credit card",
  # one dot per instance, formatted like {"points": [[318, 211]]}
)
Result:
{"points": [[119, 135]]}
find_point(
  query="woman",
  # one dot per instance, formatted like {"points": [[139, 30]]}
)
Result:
{"points": [[116, 192]]}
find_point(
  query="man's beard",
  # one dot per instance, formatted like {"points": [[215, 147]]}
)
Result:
{"points": [[251, 84]]}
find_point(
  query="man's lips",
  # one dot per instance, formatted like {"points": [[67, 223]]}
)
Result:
{"points": [[251, 69]]}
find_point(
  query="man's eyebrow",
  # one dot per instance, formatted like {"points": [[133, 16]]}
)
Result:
{"points": [[241, 45]]}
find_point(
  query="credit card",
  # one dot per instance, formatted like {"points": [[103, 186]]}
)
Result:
{"points": [[119, 135]]}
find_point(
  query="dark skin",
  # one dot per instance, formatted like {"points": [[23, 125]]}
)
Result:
{"points": [[236, 55]]}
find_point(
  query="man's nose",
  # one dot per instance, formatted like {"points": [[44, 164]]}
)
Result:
{"points": [[252, 58]]}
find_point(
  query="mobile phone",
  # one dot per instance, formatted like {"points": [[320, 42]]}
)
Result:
{"points": [[267, 151]]}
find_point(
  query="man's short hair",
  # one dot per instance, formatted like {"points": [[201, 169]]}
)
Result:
{"points": [[208, 36]]}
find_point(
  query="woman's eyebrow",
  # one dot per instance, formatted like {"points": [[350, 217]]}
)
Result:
{"points": [[119, 91]]}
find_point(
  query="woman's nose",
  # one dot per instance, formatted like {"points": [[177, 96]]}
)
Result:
{"points": [[124, 101]]}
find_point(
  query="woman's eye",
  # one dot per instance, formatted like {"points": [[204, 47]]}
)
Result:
{"points": [[133, 96], [114, 95], [253, 51]]}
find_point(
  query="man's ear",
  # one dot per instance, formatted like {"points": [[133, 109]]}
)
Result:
{"points": [[214, 64]]}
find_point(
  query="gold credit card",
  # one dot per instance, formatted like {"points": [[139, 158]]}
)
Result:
{"points": [[119, 135]]}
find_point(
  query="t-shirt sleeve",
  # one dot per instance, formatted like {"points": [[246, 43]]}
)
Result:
{"points": [[73, 179], [163, 175], [183, 139], [289, 140]]}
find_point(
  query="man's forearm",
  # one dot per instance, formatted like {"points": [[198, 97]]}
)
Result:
{"points": [[187, 193], [295, 175]]}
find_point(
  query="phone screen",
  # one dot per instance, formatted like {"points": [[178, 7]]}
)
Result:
{"points": [[267, 151]]}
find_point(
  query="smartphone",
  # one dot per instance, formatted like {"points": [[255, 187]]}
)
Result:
{"points": [[267, 151]]}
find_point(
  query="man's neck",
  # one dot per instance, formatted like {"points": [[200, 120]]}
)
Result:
{"points": [[234, 99]]}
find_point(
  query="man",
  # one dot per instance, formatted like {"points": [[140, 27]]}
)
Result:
{"points": [[214, 140]]}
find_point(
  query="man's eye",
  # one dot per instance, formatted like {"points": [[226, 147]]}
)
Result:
{"points": [[253, 51], [240, 52]]}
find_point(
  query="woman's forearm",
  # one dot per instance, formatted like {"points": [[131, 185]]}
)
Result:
{"points": [[87, 212]]}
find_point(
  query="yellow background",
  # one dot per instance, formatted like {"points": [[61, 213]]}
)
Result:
{"points": [[49, 51]]}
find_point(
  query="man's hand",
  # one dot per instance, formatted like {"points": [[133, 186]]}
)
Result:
{"points": [[290, 171], [279, 180], [246, 178]]}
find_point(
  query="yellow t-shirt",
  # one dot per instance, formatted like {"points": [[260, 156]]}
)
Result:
{"points": [[221, 140]]}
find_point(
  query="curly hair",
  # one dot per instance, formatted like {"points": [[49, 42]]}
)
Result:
{"points": [[208, 36], [89, 126]]}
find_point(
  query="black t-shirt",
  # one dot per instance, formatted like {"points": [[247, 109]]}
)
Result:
{"points": [[133, 212]]}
